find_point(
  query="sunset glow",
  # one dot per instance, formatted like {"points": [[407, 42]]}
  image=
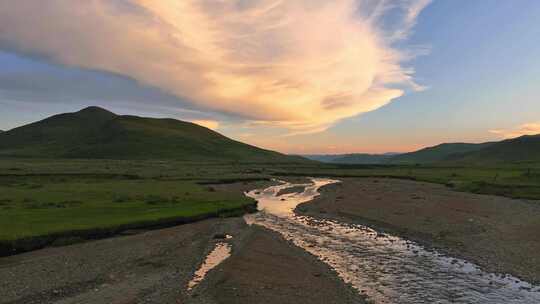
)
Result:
{"points": [[356, 73], [302, 65]]}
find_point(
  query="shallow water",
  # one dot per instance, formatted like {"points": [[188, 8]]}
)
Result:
{"points": [[220, 253], [388, 269]]}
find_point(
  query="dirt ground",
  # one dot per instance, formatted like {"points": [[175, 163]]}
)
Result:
{"points": [[266, 271], [151, 267], [155, 267], [500, 234]]}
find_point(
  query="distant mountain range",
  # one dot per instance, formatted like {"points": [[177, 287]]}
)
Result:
{"points": [[355, 158], [97, 133], [525, 149]]}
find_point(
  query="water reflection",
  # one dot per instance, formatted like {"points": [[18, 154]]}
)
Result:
{"points": [[283, 205], [386, 268], [220, 253]]}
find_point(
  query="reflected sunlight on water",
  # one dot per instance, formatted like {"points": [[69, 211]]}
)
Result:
{"points": [[386, 268], [220, 253]]}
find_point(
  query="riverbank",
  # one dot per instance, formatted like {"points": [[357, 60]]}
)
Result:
{"points": [[499, 234], [151, 267], [156, 266]]}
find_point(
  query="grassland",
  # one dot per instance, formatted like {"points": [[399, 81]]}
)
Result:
{"points": [[515, 181], [43, 205], [43, 202], [54, 201]]}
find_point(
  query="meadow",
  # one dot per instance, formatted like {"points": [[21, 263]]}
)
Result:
{"points": [[53, 202], [44, 202], [515, 181]]}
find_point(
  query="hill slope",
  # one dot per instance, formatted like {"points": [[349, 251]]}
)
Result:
{"points": [[524, 149], [97, 133], [437, 153]]}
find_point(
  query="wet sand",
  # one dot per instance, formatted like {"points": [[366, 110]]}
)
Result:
{"points": [[501, 235], [156, 266]]}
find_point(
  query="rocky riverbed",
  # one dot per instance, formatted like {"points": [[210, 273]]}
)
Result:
{"points": [[500, 234], [362, 240], [157, 266], [386, 267]]}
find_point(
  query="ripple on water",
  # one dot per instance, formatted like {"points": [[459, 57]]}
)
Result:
{"points": [[386, 268]]}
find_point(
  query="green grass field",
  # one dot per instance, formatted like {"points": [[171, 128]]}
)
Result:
{"points": [[44, 200], [46, 205]]}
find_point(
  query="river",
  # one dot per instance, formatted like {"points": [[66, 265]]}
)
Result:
{"points": [[385, 268]]}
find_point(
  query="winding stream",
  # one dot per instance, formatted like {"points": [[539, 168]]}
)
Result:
{"points": [[386, 268]]}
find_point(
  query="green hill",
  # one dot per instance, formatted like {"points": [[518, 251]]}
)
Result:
{"points": [[437, 153], [96, 133], [525, 149]]}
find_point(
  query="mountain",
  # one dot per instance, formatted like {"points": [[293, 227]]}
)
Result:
{"points": [[97, 133], [428, 155], [354, 158], [438, 153], [362, 158], [323, 158], [524, 149]]}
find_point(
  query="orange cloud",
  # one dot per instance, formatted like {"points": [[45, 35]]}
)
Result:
{"points": [[524, 129], [301, 65], [210, 124]]}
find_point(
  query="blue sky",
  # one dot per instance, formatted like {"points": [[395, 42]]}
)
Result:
{"points": [[482, 73], [480, 70]]}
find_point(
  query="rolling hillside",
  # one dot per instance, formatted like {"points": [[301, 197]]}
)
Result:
{"points": [[437, 153], [97, 133], [524, 149], [430, 155]]}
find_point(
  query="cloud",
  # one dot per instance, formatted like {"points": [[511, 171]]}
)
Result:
{"points": [[524, 129], [301, 65], [210, 124]]}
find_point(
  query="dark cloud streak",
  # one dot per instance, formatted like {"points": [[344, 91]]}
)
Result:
{"points": [[34, 80]]}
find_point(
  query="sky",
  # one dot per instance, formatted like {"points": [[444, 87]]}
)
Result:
{"points": [[303, 76]]}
